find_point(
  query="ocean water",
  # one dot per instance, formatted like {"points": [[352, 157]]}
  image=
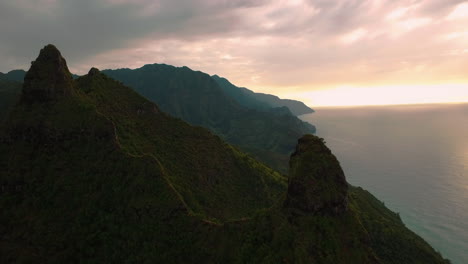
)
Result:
{"points": [[414, 158]]}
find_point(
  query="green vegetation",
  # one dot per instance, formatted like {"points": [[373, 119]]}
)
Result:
{"points": [[14, 75], [260, 101], [202, 162], [269, 134], [388, 233], [94, 173], [238, 95], [9, 94], [316, 180]]}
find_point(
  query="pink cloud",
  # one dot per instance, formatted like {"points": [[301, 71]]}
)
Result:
{"points": [[279, 45]]}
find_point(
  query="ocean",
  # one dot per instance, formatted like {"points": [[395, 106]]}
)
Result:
{"points": [[414, 158]]}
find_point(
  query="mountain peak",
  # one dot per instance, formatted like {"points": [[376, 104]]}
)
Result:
{"points": [[93, 71], [49, 51], [48, 79], [317, 182]]}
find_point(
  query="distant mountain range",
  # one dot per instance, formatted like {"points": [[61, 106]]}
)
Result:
{"points": [[267, 132], [14, 75], [260, 101], [260, 124], [241, 95], [92, 172]]}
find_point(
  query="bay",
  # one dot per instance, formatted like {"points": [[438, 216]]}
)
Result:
{"points": [[412, 157]]}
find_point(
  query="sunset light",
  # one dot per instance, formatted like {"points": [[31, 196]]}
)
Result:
{"points": [[324, 52], [386, 95]]}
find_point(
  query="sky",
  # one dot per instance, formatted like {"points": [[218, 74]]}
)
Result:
{"points": [[322, 52]]}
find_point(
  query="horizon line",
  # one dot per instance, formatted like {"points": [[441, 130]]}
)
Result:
{"points": [[396, 104]]}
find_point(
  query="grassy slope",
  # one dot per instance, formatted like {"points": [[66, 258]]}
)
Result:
{"points": [[391, 240], [70, 193], [196, 162], [197, 99]]}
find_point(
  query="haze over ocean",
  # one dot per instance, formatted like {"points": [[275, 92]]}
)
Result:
{"points": [[412, 157]]}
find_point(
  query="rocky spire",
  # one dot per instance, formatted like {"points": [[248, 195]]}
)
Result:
{"points": [[48, 79], [316, 180], [93, 71]]}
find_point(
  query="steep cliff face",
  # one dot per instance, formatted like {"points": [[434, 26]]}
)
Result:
{"points": [[48, 79], [316, 180], [260, 101]]}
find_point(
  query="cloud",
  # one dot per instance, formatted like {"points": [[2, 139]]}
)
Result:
{"points": [[354, 36], [85, 28], [265, 45], [459, 12]]}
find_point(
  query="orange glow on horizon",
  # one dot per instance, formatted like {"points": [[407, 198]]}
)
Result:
{"points": [[383, 95]]}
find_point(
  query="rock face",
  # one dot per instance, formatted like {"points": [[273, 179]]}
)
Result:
{"points": [[93, 71], [317, 182], [48, 79]]}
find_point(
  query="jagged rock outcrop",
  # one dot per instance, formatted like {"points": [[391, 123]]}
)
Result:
{"points": [[48, 78], [317, 182], [93, 71]]}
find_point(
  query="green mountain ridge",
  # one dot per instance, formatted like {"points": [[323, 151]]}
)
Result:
{"points": [[260, 101], [268, 134], [239, 95], [96, 173], [13, 75], [246, 112]]}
